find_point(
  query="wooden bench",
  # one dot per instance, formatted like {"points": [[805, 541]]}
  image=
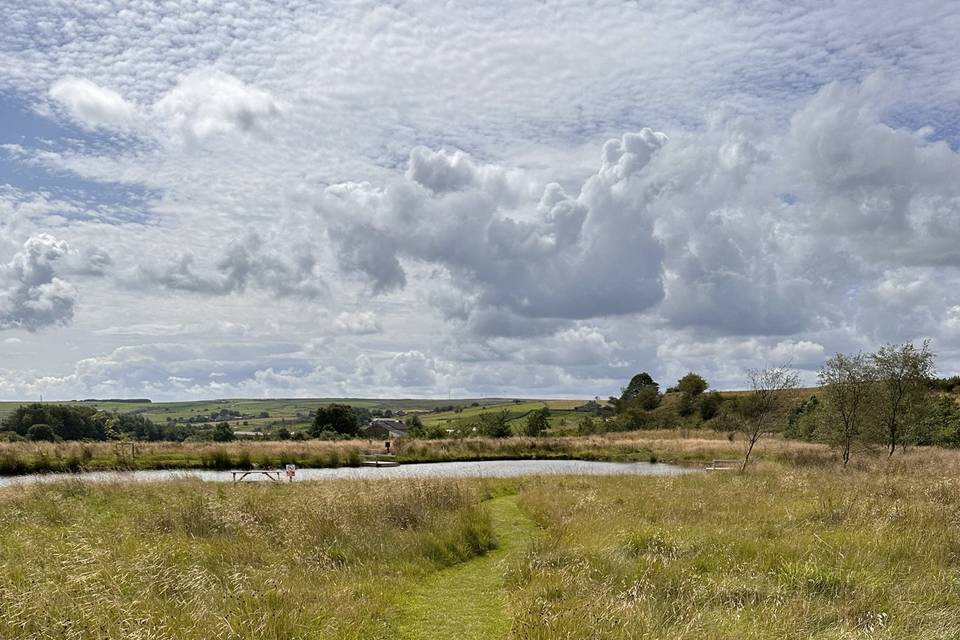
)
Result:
{"points": [[272, 474], [723, 465]]}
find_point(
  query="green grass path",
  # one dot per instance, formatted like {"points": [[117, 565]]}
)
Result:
{"points": [[469, 600]]}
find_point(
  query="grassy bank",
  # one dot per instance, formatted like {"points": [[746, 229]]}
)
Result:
{"points": [[796, 548], [192, 560], [684, 447], [779, 553]]}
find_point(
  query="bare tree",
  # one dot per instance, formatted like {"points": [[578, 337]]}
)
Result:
{"points": [[848, 384], [903, 372], [768, 396]]}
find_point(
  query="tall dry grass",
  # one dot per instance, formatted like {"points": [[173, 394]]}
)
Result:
{"points": [[780, 552], [192, 560]]}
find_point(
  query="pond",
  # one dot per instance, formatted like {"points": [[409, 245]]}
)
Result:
{"points": [[472, 469]]}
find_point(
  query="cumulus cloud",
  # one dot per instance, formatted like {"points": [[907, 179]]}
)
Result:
{"points": [[569, 257], [93, 105], [32, 296], [208, 102], [411, 369], [242, 263], [203, 104], [358, 323]]}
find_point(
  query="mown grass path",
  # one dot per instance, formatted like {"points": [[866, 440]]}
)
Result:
{"points": [[469, 600]]}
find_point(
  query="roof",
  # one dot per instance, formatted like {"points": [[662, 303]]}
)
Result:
{"points": [[390, 424]]}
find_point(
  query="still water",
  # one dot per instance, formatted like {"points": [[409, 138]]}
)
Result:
{"points": [[479, 469]]}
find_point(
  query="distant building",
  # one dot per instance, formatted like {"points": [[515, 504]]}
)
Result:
{"points": [[385, 428], [589, 407]]}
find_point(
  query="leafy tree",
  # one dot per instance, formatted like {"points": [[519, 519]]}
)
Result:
{"points": [[642, 387], [903, 373], [760, 409], [338, 418], [495, 424], [41, 432], [223, 433], [587, 426], [537, 422], [943, 421], [415, 426], [804, 421], [692, 385], [283, 433], [710, 405], [849, 385]]}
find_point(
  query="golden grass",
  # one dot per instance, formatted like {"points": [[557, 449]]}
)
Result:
{"points": [[192, 560], [781, 552]]}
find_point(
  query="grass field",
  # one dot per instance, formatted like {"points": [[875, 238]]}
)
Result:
{"points": [[779, 553], [561, 412], [277, 408], [796, 548], [191, 560]]}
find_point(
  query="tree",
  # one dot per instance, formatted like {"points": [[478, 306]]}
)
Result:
{"points": [[710, 405], [495, 425], [642, 390], [903, 373], [848, 385], [537, 422], [223, 433], [283, 433], [41, 432], [338, 418], [692, 385], [760, 409]]}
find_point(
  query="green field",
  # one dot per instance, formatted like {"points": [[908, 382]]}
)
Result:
{"points": [[516, 410], [288, 409]]}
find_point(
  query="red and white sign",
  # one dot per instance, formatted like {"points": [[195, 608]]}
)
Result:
{"points": [[291, 471]]}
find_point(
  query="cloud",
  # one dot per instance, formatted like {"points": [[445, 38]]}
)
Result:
{"points": [[242, 263], [93, 105], [358, 323], [411, 369], [203, 104], [32, 296], [576, 257], [208, 102], [518, 226]]}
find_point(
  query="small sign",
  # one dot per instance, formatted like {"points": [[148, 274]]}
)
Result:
{"points": [[291, 471]]}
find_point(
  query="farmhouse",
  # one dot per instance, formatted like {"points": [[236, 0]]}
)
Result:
{"points": [[385, 428]]}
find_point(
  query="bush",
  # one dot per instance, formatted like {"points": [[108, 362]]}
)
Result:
{"points": [[41, 432], [223, 433], [495, 425], [710, 405]]}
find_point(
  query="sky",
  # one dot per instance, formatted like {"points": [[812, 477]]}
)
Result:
{"points": [[206, 199]]}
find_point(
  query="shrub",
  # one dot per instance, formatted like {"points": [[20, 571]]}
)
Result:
{"points": [[41, 432]]}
